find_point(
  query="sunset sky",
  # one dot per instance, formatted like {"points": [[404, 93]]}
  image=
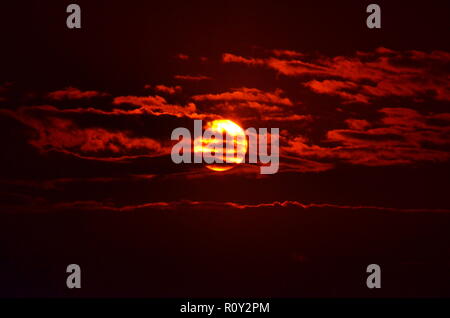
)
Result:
{"points": [[87, 178]]}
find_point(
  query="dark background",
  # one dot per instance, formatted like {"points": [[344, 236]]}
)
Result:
{"points": [[208, 251]]}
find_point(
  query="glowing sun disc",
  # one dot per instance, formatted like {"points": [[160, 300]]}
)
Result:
{"points": [[231, 130]]}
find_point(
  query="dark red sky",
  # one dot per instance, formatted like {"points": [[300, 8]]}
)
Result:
{"points": [[86, 117]]}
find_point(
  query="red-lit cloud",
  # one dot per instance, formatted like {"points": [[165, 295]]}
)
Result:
{"points": [[74, 93], [344, 89], [182, 56], [157, 106], [173, 205], [287, 53], [247, 94], [250, 104], [168, 89], [192, 77], [143, 105], [63, 135], [367, 75], [401, 136]]}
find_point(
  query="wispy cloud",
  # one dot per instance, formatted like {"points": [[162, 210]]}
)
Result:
{"points": [[74, 93], [192, 77], [206, 205]]}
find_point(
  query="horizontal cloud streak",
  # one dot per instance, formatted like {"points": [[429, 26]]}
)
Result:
{"points": [[172, 205]]}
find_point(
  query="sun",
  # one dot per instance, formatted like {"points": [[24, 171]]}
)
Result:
{"points": [[231, 132]]}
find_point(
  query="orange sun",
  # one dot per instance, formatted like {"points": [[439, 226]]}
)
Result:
{"points": [[232, 133]]}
